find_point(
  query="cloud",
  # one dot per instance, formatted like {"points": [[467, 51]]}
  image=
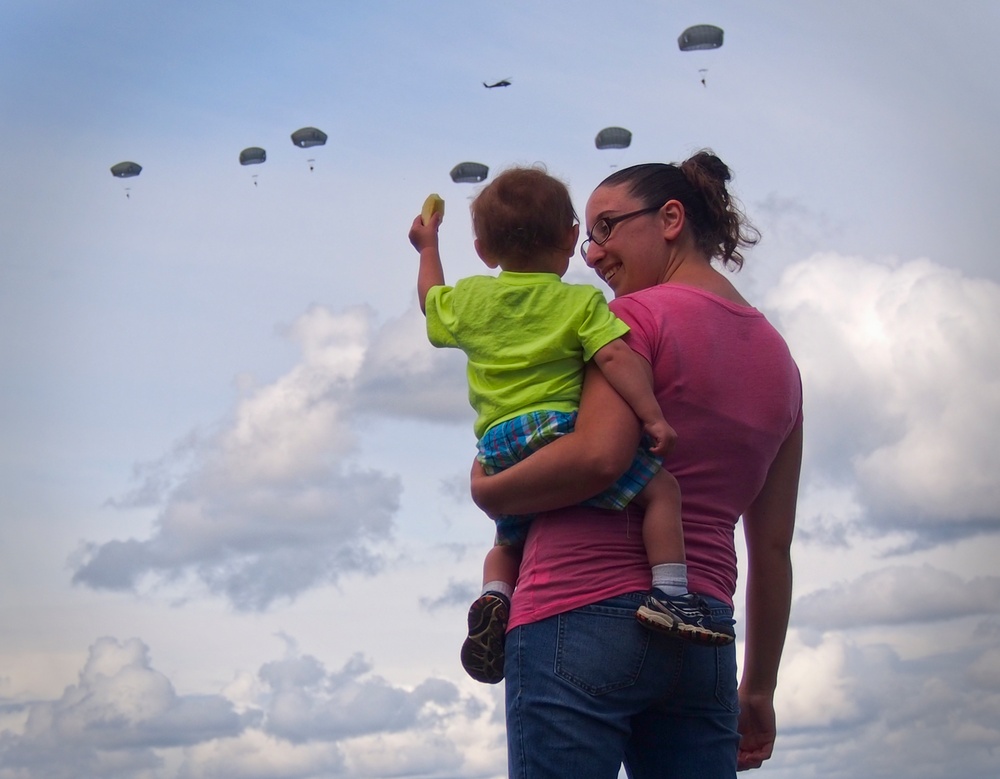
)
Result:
{"points": [[814, 673], [308, 704], [841, 705], [403, 375], [269, 505], [113, 720], [897, 596], [294, 718], [984, 672], [256, 755], [902, 389], [380, 729], [454, 594], [791, 229]]}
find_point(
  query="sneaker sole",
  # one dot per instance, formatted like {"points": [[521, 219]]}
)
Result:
{"points": [[483, 651], [663, 623]]}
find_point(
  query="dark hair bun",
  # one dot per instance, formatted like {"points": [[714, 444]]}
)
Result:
{"points": [[709, 165]]}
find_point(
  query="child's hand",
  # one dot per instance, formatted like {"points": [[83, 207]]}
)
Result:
{"points": [[663, 435], [425, 236]]}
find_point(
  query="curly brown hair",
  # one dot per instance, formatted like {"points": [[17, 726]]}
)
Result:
{"points": [[522, 212]]}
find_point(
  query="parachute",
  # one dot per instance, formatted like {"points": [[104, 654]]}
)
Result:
{"points": [[252, 155], [613, 138], [701, 36], [469, 173], [308, 136], [125, 170]]}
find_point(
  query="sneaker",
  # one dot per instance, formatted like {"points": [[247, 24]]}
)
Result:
{"points": [[685, 616], [483, 650]]}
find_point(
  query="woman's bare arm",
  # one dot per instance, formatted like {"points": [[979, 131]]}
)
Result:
{"points": [[768, 525], [572, 468]]}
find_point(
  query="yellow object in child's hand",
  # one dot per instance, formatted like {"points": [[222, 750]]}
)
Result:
{"points": [[434, 204]]}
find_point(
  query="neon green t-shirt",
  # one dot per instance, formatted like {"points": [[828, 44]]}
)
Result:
{"points": [[527, 337]]}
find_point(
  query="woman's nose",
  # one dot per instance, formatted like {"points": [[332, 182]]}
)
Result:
{"points": [[591, 252]]}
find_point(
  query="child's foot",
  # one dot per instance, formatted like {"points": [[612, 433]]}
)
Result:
{"points": [[685, 616], [483, 650]]}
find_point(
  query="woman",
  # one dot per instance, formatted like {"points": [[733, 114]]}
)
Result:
{"points": [[587, 687]]}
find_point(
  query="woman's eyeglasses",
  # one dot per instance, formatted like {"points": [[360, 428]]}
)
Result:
{"points": [[601, 230]]}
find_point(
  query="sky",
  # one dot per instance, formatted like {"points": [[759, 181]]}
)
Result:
{"points": [[235, 533]]}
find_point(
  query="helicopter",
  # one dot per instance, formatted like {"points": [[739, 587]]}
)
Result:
{"points": [[505, 82]]}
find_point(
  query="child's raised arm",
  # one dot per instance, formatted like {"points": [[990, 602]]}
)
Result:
{"points": [[632, 377], [424, 238]]}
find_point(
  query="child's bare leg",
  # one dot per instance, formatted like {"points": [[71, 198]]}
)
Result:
{"points": [[483, 650], [672, 609], [501, 567], [662, 532]]}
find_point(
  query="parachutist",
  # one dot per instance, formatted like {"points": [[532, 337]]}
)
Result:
{"points": [[469, 173]]}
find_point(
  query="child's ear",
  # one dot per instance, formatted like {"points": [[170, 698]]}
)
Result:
{"points": [[574, 236], [489, 263]]}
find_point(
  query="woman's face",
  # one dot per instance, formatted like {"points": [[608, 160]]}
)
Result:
{"points": [[634, 256]]}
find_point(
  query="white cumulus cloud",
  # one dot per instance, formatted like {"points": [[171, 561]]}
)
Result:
{"points": [[898, 595], [114, 720], [293, 719], [270, 504], [843, 707], [901, 373]]}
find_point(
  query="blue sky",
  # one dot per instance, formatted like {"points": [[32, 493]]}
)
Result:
{"points": [[235, 537]]}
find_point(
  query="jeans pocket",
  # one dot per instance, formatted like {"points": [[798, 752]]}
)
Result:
{"points": [[726, 688], [600, 649]]}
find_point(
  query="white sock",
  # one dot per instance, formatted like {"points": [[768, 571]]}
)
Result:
{"points": [[671, 578], [498, 586]]}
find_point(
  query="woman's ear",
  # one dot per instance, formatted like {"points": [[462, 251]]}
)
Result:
{"points": [[486, 260], [673, 216]]}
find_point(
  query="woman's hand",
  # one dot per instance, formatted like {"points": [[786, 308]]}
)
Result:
{"points": [[757, 731], [572, 468], [480, 486]]}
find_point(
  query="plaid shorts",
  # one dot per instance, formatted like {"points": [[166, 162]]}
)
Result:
{"points": [[511, 441]]}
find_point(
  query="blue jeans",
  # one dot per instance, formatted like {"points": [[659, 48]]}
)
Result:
{"points": [[591, 689]]}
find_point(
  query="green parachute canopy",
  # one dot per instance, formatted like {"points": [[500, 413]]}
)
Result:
{"points": [[308, 136], [125, 170], [469, 173], [701, 36], [252, 155], [613, 138]]}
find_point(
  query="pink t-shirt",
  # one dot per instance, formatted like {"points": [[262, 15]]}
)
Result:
{"points": [[727, 383]]}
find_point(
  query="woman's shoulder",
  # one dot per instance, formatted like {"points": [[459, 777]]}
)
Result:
{"points": [[678, 298]]}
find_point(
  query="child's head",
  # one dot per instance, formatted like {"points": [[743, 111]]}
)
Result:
{"points": [[522, 218]]}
